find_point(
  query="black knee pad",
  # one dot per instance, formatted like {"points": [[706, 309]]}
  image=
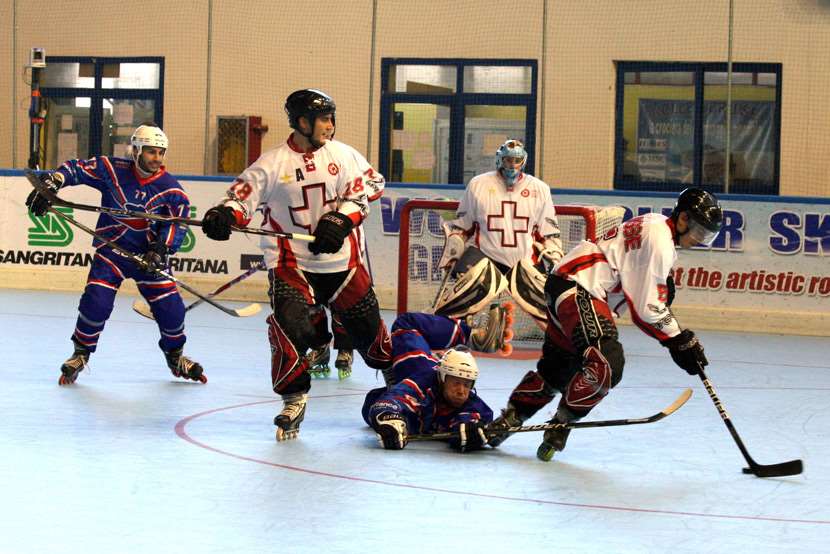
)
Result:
{"points": [[613, 352], [361, 321]]}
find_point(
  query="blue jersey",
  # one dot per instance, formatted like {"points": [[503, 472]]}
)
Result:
{"points": [[419, 399], [122, 187], [417, 394]]}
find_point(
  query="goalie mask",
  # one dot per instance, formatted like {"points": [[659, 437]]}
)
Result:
{"points": [[458, 362], [514, 151]]}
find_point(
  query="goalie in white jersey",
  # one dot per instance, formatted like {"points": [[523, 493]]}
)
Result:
{"points": [[628, 268], [505, 225], [310, 184]]}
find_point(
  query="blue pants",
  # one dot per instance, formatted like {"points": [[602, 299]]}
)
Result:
{"points": [[105, 276]]}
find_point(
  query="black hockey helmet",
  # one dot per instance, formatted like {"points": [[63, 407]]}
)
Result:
{"points": [[705, 214], [309, 103]]}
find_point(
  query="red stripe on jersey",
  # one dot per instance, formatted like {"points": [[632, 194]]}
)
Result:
{"points": [[115, 183], [286, 257], [149, 179], [580, 263], [647, 327]]}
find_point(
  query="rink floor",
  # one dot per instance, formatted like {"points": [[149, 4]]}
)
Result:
{"points": [[132, 460]]}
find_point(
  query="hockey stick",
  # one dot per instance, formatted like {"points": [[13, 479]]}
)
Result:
{"points": [[55, 199], [143, 265], [793, 467], [668, 410], [142, 308]]}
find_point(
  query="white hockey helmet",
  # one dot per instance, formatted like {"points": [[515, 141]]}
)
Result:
{"points": [[512, 148], [458, 362], [147, 135]]}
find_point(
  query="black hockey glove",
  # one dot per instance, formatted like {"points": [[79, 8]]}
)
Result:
{"points": [[471, 436], [331, 231], [39, 204], [217, 222], [391, 430], [669, 290], [156, 257], [686, 351]]}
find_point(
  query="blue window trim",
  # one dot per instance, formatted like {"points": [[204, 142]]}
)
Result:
{"points": [[456, 102], [626, 184], [98, 93]]}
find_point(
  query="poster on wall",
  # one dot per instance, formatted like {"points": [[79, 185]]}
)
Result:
{"points": [[665, 140]]}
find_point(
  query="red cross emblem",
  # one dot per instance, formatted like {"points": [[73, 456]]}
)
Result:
{"points": [[314, 205], [509, 224]]}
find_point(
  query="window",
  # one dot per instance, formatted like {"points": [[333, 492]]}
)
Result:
{"points": [[93, 105], [671, 127], [442, 120]]}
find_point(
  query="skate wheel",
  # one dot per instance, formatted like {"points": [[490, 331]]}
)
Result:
{"points": [[202, 378], [509, 319], [545, 452], [508, 335], [506, 350], [509, 307]]}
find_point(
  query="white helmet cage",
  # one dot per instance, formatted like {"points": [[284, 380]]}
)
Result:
{"points": [[458, 362], [147, 135]]}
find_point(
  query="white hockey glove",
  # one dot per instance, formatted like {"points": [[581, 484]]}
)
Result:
{"points": [[551, 252], [453, 248], [391, 430]]}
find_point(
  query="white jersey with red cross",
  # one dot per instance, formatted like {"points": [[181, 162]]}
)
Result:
{"points": [[628, 268], [504, 223], [292, 189]]}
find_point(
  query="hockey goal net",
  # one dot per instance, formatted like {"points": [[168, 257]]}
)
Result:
{"points": [[421, 244]]}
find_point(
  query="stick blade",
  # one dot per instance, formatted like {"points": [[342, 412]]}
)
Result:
{"points": [[140, 307], [249, 310], [793, 467], [676, 405]]}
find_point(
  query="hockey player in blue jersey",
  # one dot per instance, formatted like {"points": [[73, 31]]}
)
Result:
{"points": [[435, 394], [140, 184]]}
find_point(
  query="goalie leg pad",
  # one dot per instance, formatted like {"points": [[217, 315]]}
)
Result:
{"points": [[527, 287], [472, 291]]}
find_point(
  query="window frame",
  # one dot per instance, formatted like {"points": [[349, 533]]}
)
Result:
{"points": [[97, 94], [698, 69], [456, 102]]}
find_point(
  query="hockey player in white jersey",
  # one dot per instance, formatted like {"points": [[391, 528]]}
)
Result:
{"points": [[315, 185], [506, 217], [628, 268]]}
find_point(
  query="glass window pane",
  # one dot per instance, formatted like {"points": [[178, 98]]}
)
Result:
{"points": [[420, 143], [681, 78], [485, 129], [120, 118], [752, 138], [497, 79], [719, 78], [658, 128], [66, 129], [422, 79], [67, 75], [131, 75], [767, 79]]}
